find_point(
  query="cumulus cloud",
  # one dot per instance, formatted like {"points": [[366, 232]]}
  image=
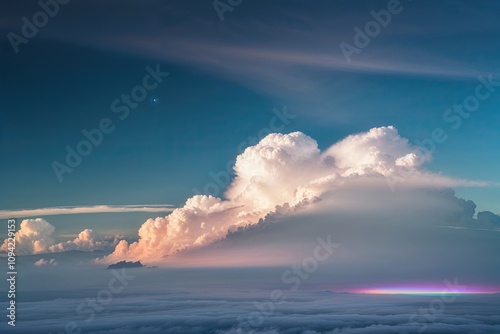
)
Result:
{"points": [[488, 218], [87, 240], [43, 262], [380, 150], [35, 236], [267, 175], [285, 171]]}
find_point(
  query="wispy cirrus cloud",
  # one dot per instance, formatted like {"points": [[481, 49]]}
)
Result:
{"points": [[75, 210], [293, 53]]}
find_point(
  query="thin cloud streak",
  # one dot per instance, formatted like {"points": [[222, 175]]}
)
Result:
{"points": [[75, 210], [470, 229], [244, 59]]}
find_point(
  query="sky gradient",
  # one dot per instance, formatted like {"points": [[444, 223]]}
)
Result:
{"points": [[335, 147]]}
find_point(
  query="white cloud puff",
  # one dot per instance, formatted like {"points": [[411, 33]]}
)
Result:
{"points": [[35, 237], [87, 240], [201, 220], [269, 173], [43, 262], [380, 150]]}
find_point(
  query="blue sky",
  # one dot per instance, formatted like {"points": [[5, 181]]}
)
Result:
{"points": [[225, 79]]}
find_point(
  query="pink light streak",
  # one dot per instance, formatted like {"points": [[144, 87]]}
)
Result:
{"points": [[427, 290]]}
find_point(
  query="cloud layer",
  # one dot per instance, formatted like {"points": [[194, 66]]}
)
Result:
{"points": [[310, 312]]}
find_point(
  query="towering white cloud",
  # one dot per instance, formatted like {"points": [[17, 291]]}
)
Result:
{"points": [[285, 171], [269, 173]]}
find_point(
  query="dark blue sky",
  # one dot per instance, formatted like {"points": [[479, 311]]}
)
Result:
{"points": [[225, 79]]}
